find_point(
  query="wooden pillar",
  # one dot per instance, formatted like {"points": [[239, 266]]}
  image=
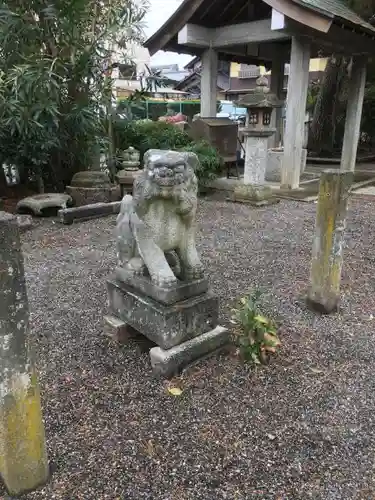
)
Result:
{"points": [[325, 276], [23, 459], [353, 114], [277, 82], [209, 83], [295, 113]]}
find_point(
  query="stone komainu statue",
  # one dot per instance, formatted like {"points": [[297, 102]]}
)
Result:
{"points": [[156, 226]]}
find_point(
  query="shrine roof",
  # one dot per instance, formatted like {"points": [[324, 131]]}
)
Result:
{"points": [[219, 13]]}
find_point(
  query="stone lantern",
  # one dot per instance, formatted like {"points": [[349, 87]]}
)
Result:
{"points": [[260, 104], [130, 169]]}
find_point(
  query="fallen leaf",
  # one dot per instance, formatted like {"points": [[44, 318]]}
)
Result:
{"points": [[272, 340], [269, 349], [316, 370], [272, 437], [175, 391], [149, 448]]}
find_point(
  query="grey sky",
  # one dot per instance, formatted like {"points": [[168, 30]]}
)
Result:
{"points": [[159, 12]]}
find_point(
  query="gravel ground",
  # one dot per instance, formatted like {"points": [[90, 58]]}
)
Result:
{"points": [[300, 428]]}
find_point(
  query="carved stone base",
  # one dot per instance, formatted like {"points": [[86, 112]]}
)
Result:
{"points": [[88, 195], [166, 325], [125, 179], [183, 290], [257, 195]]}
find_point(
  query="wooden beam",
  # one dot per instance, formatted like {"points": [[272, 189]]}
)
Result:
{"points": [[271, 50], [295, 113], [175, 23], [353, 114], [253, 32], [209, 83], [277, 81], [195, 36], [340, 40], [278, 21], [302, 15], [244, 33]]}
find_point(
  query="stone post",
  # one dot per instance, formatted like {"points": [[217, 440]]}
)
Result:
{"points": [[325, 276], [23, 458]]}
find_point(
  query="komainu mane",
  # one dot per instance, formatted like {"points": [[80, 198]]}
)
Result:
{"points": [[156, 226]]}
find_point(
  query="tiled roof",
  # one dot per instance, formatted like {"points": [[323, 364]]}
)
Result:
{"points": [[335, 9]]}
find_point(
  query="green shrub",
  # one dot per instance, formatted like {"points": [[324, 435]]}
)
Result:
{"points": [[153, 109], [146, 134], [209, 159], [255, 335], [161, 135]]}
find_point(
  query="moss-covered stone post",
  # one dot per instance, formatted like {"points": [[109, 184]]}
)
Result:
{"points": [[23, 458], [324, 292]]}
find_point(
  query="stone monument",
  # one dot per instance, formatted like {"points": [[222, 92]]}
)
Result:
{"points": [[92, 186], [260, 103], [160, 288], [130, 169]]}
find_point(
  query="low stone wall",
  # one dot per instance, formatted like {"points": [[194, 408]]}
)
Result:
{"points": [[275, 158]]}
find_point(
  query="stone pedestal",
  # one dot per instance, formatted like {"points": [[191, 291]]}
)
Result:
{"points": [[183, 330], [254, 191], [125, 179], [166, 325], [130, 170], [92, 186]]}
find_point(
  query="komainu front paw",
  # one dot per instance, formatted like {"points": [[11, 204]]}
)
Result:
{"points": [[194, 272], [164, 280], [135, 265]]}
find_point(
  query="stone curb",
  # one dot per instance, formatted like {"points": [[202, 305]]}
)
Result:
{"points": [[85, 212], [167, 363]]}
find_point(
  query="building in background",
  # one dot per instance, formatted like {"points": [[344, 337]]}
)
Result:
{"points": [[234, 79], [243, 76], [192, 81], [170, 72], [126, 76]]}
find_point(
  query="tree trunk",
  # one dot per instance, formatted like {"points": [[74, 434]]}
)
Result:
{"points": [[322, 130], [3, 181]]}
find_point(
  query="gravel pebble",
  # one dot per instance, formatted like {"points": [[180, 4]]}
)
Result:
{"points": [[300, 428]]}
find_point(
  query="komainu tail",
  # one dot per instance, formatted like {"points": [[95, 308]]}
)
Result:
{"points": [[124, 233]]}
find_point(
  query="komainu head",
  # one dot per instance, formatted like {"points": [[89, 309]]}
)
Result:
{"points": [[168, 169]]}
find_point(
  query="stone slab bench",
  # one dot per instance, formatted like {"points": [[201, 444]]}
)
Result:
{"points": [[86, 212]]}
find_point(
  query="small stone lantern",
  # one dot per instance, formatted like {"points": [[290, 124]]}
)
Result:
{"points": [[130, 159], [260, 104], [130, 163]]}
